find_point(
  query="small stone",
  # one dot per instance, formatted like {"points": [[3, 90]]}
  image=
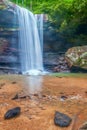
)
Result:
{"points": [[15, 97], [14, 82], [84, 126], [85, 92], [61, 93], [62, 120], [43, 95], [35, 94], [22, 96], [63, 97], [12, 113]]}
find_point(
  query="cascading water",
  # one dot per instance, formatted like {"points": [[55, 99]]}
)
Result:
{"points": [[29, 43], [39, 20]]}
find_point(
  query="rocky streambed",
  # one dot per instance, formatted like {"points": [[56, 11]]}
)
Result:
{"points": [[39, 98]]}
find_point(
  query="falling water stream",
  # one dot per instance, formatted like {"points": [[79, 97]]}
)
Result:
{"points": [[29, 43], [39, 20], [30, 46]]}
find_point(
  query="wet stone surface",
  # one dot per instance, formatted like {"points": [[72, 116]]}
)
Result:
{"points": [[12, 113], [62, 120]]}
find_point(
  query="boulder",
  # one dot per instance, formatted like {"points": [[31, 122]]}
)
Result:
{"points": [[77, 57], [12, 113], [61, 119]]}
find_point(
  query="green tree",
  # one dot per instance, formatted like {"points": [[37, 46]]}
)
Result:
{"points": [[68, 17]]}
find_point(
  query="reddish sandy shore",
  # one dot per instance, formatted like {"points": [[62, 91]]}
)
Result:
{"points": [[39, 98]]}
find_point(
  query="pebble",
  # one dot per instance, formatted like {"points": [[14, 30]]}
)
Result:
{"points": [[63, 97], [14, 82], [35, 94], [15, 97], [44, 95]]}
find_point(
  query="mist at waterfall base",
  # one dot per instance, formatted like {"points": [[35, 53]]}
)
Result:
{"points": [[30, 44], [33, 85]]}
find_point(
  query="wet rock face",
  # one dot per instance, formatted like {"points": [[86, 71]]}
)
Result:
{"points": [[8, 59], [62, 120], [12, 113], [9, 54], [6, 55], [3, 45], [55, 62], [77, 56]]}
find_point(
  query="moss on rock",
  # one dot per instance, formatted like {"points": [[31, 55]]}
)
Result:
{"points": [[77, 56]]}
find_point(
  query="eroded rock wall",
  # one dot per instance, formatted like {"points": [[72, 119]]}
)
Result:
{"points": [[8, 34]]}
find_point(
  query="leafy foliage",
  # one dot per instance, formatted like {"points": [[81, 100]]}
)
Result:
{"points": [[68, 17]]}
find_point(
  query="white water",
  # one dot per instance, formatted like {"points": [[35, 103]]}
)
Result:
{"points": [[39, 20], [29, 43]]}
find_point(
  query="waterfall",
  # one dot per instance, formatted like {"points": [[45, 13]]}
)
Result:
{"points": [[39, 19], [29, 43]]}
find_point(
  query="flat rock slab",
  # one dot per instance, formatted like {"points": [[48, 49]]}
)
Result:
{"points": [[62, 120], [12, 113]]}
